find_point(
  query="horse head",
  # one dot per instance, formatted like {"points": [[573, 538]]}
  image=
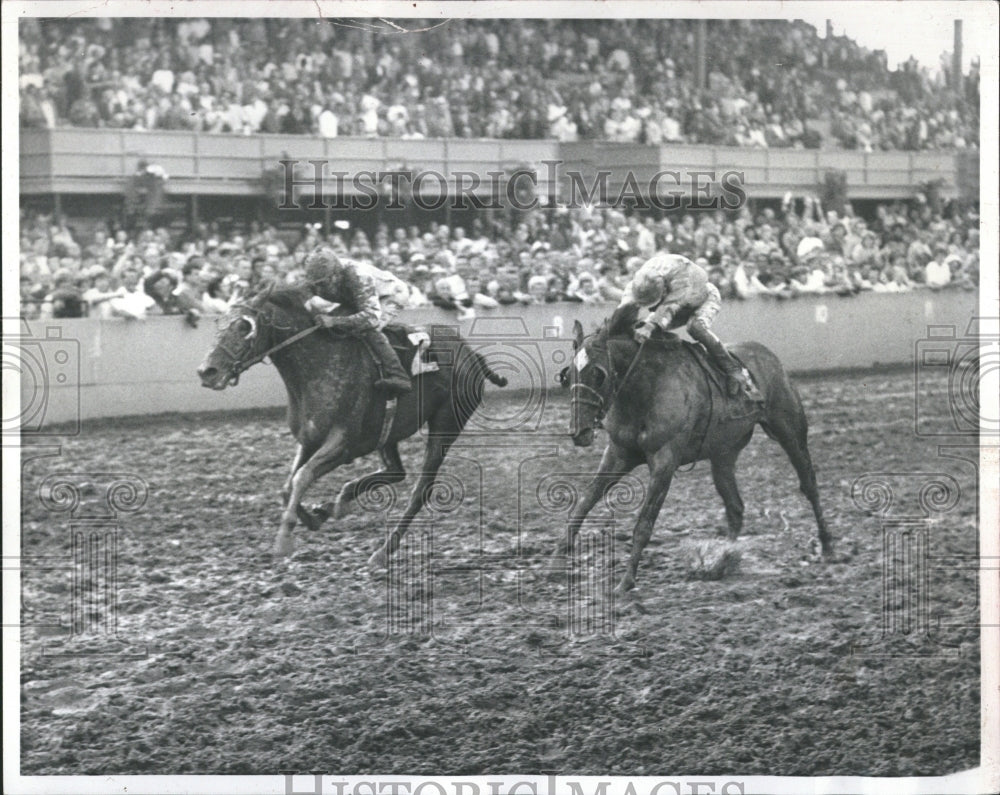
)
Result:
{"points": [[248, 332], [589, 378]]}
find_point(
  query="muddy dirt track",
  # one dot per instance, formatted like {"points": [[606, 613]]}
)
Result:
{"points": [[229, 661]]}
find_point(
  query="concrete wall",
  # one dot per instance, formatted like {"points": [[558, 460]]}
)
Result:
{"points": [[100, 161], [82, 369]]}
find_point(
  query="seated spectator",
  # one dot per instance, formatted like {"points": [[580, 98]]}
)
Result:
{"points": [[450, 293], [189, 292], [746, 283], [538, 289], [809, 278], [866, 252], [160, 286], [607, 285], [585, 290], [938, 274], [839, 279], [503, 289], [582, 84], [964, 275], [475, 290], [98, 296], [133, 301], [65, 300], [217, 295], [31, 298]]}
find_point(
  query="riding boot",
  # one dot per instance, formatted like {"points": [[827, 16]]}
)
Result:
{"points": [[392, 376], [723, 360]]}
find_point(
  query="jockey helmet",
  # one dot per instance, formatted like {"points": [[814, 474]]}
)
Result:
{"points": [[647, 288], [320, 264]]}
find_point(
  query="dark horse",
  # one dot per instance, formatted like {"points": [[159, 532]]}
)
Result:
{"points": [[335, 412], [666, 409]]}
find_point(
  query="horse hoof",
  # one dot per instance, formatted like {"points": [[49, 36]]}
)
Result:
{"points": [[340, 509], [319, 514], [283, 546], [378, 561]]}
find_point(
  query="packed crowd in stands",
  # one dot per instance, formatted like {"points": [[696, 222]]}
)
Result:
{"points": [[770, 83], [582, 255]]}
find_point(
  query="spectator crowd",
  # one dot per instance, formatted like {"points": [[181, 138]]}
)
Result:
{"points": [[770, 83], [583, 255]]}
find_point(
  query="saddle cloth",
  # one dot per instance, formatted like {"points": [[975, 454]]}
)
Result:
{"points": [[412, 347]]}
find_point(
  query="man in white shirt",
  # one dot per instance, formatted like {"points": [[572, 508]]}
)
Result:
{"points": [[937, 274], [133, 301], [328, 123]]}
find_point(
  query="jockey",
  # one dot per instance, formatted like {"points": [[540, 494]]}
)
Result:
{"points": [[673, 289], [335, 283], [393, 293]]}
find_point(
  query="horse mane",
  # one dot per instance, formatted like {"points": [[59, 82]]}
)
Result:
{"points": [[290, 300], [623, 321]]}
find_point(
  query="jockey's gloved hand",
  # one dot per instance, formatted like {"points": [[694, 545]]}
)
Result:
{"points": [[325, 320], [644, 332]]}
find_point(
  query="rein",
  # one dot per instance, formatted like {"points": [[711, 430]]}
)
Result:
{"points": [[241, 367], [594, 398]]}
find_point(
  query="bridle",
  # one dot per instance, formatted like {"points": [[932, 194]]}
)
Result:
{"points": [[252, 315], [591, 397]]}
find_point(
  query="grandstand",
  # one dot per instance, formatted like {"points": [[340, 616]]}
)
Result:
{"points": [[150, 152]]}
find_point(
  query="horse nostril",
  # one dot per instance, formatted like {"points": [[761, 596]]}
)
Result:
{"points": [[206, 372]]}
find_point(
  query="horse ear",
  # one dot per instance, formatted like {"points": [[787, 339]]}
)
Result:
{"points": [[264, 294], [577, 334]]}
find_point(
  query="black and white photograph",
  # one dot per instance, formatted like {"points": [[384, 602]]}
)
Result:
{"points": [[501, 398]]}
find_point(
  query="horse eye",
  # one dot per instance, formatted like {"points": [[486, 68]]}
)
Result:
{"points": [[599, 376], [251, 326]]}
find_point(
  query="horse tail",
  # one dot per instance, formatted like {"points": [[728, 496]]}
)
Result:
{"points": [[487, 371]]}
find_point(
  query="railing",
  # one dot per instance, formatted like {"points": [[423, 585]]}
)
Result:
{"points": [[99, 161], [81, 369]]}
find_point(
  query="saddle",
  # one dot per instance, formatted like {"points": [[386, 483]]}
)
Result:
{"points": [[412, 346], [734, 408]]}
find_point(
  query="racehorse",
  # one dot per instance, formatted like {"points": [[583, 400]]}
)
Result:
{"points": [[664, 405], [334, 410]]}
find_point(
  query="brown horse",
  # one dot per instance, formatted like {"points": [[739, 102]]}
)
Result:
{"points": [[664, 405], [335, 412]]}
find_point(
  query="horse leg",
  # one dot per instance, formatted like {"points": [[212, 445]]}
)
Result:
{"points": [[661, 473], [286, 489], [443, 427], [330, 455], [616, 463], [724, 477], [437, 447], [392, 471], [790, 429], [304, 514]]}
